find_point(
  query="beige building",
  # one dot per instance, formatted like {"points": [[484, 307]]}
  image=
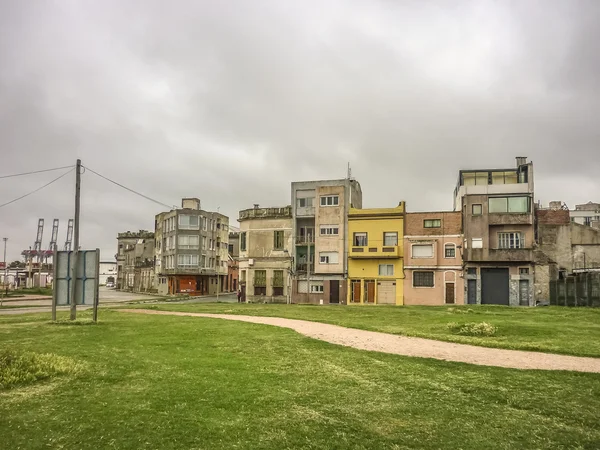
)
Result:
{"points": [[432, 259], [320, 229], [265, 254]]}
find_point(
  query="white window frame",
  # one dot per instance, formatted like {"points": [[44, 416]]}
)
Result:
{"points": [[329, 200], [393, 234], [360, 234], [310, 202], [422, 287], [412, 251], [188, 226], [190, 263], [477, 243], [432, 222], [326, 258], [317, 288], [387, 267], [511, 240], [329, 230], [449, 245], [183, 241]]}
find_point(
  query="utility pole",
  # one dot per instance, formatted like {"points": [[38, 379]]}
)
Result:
{"points": [[75, 241], [308, 270], [5, 269]]}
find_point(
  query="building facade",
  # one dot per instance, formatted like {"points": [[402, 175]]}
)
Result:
{"points": [[139, 266], [587, 214], [375, 252], [498, 227], [265, 254], [433, 259], [320, 229], [107, 273], [126, 241], [191, 250]]}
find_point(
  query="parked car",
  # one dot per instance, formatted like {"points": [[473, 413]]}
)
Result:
{"points": [[110, 284]]}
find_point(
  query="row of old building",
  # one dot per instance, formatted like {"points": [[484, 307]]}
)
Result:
{"points": [[496, 247]]}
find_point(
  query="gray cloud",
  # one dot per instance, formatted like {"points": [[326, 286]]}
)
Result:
{"points": [[230, 101]]}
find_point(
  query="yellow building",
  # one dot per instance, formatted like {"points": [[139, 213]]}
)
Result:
{"points": [[376, 256]]}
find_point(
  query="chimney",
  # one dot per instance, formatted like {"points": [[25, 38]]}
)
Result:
{"points": [[556, 205], [256, 206], [521, 161]]}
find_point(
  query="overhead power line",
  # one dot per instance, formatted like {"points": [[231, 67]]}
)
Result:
{"points": [[35, 171], [128, 189], [38, 189]]}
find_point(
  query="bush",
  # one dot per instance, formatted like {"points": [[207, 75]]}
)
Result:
{"points": [[473, 329], [18, 368]]}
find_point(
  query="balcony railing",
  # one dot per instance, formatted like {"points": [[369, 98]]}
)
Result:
{"points": [[375, 251], [510, 219], [498, 255], [304, 240], [303, 267]]}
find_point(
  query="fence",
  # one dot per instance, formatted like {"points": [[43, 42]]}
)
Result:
{"points": [[578, 290]]}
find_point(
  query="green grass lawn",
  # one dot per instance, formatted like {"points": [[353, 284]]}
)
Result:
{"points": [[573, 331], [160, 382]]}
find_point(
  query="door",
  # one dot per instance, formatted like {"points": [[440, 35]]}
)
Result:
{"points": [[524, 292], [243, 296], [334, 291], [472, 292], [386, 293], [356, 291], [494, 287], [450, 293], [369, 291]]}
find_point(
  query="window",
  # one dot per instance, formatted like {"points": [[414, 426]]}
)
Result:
{"points": [[204, 223], [360, 240], [328, 257], [188, 242], [422, 251], [511, 240], [386, 270], [432, 223], [524, 271], [278, 278], [243, 241], [260, 278], [390, 238], [477, 209], [422, 279], [330, 200], [518, 205], [189, 222], [187, 260], [278, 240], [477, 243], [449, 251], [329, 230], [305, 202], [587, 221], [472, 271], [316, 288], [243, 276], [230, 249]]}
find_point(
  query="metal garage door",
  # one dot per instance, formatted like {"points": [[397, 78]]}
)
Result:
{"points": [[494, 287], [386, 293]]}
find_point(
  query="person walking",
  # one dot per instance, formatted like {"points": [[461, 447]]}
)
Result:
{"points": [[239, 295]]}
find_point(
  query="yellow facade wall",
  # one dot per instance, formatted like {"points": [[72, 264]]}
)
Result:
{"points": [[364, 261]]}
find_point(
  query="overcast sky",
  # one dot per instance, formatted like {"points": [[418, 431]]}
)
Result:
{"points": [[231, 101]]}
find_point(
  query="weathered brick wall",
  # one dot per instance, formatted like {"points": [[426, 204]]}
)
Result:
{"points": [[451, 223], [553, 217]]}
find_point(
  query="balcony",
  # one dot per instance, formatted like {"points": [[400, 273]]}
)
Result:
{"points": [[498, 255], [379, 252], [302, 267], [305, 240], [305, 211], [510, 219]]}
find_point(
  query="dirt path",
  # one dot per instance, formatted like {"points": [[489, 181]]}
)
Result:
{"points": [[409, 346]]}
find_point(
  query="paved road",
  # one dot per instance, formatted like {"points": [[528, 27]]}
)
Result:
{"points": [[107, 297]]}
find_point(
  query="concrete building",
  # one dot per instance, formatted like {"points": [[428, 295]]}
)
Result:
{"points": [[375, 252], [265, 260], [587, 214], [233, 267], [108, 272], [433, 259], [139, 266], [498, 227], [125, 241], [320, 229], [564, 248], [191, 250]]}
